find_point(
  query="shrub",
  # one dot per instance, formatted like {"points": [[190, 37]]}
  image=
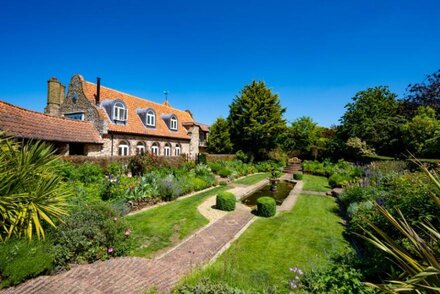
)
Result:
{"points": [[279, 156], [92, 231], [338, 180], [225, 201], [215, 166], [201, 158], [266, 206], [89, 173], [335, 279], [21, 260], [207, 287], [298, 176], [243, 157], [224, 172], [169, 188]]}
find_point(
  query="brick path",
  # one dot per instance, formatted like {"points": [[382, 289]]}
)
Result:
{"points": [[137, 275]]}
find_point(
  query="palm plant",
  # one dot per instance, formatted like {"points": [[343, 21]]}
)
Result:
{"points": [[31, 191], [421, 266]]}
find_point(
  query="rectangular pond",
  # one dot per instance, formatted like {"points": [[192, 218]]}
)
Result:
{"points": [[281, 193]]}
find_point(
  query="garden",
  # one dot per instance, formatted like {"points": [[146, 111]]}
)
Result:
{"points": [[58, 213], [378, 232]]}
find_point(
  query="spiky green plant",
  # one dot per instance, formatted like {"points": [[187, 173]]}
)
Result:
{"points": [[420, 267], [31, 191]]}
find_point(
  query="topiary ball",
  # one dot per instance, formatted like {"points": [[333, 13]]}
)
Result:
{"points": [[298, 176], [225, 201], [266, 206]]}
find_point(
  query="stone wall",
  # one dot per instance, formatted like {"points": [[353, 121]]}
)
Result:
{"points": [[195, 141], [76, 101], [216, 157]]}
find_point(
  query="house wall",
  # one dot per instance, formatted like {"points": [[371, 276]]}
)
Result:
{"points": [[132, 140], [76, 101]]}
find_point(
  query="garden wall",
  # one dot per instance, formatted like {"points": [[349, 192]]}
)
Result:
{"points": [[216, 157]]}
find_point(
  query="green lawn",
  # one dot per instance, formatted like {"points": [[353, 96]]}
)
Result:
{"points": [[315, 183], [160, 227], [253, 179], [260, 259]]}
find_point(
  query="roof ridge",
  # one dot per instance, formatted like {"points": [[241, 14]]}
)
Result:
{"points": [[42, 113], [136, 97]]}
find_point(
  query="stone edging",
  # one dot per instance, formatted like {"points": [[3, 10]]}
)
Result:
{"points": [[184, 196]]}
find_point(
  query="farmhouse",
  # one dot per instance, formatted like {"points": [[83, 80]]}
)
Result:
{"points": [[120, 124]]}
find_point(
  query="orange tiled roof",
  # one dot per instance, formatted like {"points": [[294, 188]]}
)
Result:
{"points": [[134, 124], [23, 123]]}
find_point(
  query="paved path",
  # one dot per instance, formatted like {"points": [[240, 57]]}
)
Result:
{"points": [[315, 192], [136, 274]]}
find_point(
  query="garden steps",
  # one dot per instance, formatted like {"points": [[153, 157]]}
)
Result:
{"points": [[292, 168]]}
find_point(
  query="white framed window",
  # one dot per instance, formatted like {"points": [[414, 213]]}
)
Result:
{"points": [[140, 148], [173, 123], [155, 149], [119, 112], [76, 115], [167, 150], [150, 118], [177, 150], [123, 149]]}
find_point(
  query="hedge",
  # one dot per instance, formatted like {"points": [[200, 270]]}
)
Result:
{"points": [[298, 176], [225, 201], [266, 206]]}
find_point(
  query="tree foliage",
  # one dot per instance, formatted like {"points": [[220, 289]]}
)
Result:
{"points": [[301, 136], [426, 93], [421, 134], [219, 137], [31, 190], [373, 118], [255, 119]]}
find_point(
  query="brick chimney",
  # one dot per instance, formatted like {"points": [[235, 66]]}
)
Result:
{"points": [[55, 96]]}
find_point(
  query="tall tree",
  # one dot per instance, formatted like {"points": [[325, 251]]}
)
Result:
{"points": [[421, 134], [426, 93], [373, 118], [219, 138], [256, 119], [301, 136]]}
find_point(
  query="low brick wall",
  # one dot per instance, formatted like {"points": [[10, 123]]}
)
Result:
{"points": [[216, 157]]}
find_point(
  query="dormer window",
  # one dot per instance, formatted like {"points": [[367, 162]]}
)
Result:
{"points": [[119, 112], [173, 123], [150, 118]]}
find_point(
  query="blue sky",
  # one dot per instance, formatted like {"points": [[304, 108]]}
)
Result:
{"points": [[315, 54]]}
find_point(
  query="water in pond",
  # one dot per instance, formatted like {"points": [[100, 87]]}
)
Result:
{"points": [[282, 191]]}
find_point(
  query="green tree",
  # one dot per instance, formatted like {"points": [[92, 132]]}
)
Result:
{"points": [[301, 136], [256, 120], [426, 93], [373, 118], [219, 138], [421, 134], [31, 189]]}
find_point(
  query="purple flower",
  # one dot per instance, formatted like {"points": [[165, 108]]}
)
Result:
{"points": [[300, 272], [292, 284], [380, 201], [110, 250], [293, 269]]}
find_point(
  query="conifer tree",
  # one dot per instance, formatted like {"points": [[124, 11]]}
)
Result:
{"points": [[219, 138], [256, 120]]}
